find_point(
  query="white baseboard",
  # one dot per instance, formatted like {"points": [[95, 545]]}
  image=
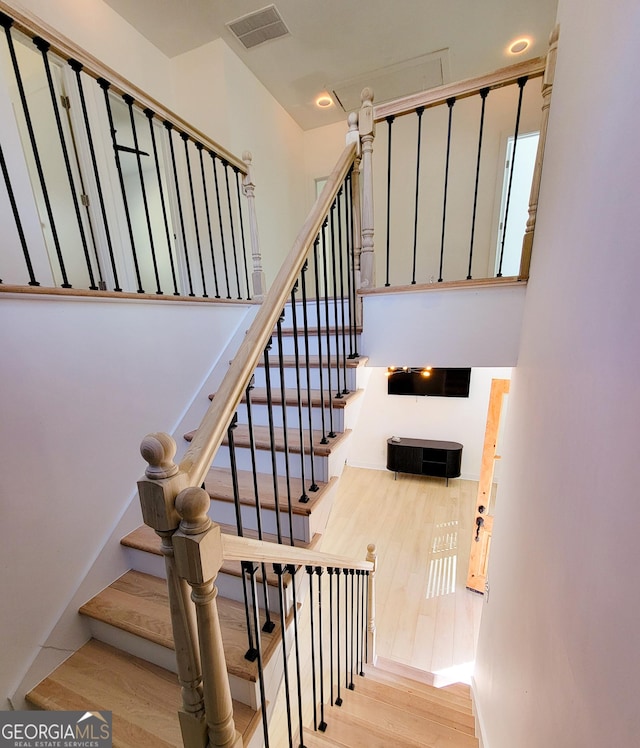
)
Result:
{"points": [[480, 731]]}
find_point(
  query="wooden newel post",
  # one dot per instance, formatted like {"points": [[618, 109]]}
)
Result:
{"points": [[198, 551], [367, 128], [372, 556], [157, 491], [353, 136], [249, 188], [547, 87]]}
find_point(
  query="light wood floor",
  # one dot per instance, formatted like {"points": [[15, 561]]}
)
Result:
{"points": [[425, 617]]}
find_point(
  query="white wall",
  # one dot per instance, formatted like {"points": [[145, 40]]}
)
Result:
{"points": [[559, 649], [444, 418], [82, 382], [444, 327]]}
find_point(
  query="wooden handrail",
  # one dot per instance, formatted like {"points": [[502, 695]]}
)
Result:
{"points": [[235, 548], [213, 427], [32, 26], [433, 97]]}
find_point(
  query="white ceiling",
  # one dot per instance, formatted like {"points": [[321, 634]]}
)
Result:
{"points": [[334, 41]]}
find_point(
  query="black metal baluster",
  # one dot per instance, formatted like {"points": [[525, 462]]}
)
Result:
{"points": [[366, 624], [324, 439], [296, 355], [292, 571], [84, 197], [351, 575], [169, 128], [335, 298], [332, 433], [341, 248], [330, 573], [346, 627], [268, 625], [128, 100], [323, 725], [7, 22], [450, 103], [363, 621], [105, 85], [16, 217], [251, 652], [199, 146], [338, 701], [484, 92], [167, 232], [278, 571], [220, 222], [272, 441], [250, 569], [285, 430], [358, 625], [390, 124], [353, 309], [44, 46], [233, 233], [314, 486], [241, 221], [419, 112], [185, 139], [309, 570], [349, 248], [77, 68], [521, 85]]}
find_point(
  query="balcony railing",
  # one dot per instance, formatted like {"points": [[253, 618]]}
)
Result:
{"points": [[104, 189]]}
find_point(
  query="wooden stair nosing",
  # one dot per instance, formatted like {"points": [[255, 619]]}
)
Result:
{"points": [[421, 704], [259, 397], [262, 439], [143, 697], [289, 362], [401, 725], [218, 483], [287, 332], [138, 603], [461, 703]]}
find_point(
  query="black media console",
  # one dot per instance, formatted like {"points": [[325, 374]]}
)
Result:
{"points": [[424, 457]]}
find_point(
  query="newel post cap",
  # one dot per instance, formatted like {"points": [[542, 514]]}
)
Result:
{"points": [[198, 542], [161, 483]]}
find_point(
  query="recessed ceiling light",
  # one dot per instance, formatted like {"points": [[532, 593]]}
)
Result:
{"points": [[519, 46], [324, 101]]}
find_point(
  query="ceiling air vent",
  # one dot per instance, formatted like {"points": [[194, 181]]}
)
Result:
{"points": [[259, 27]]}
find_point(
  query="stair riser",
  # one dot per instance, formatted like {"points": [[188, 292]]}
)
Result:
{"points": [[288, 346], [242, 690], [224, 512], [229, 585], [263, 462], [314, 375], [260, 415], [342, 309]]}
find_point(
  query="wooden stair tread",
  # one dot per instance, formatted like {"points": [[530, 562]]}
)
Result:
{"points": [[365, 721], [262, 439], [287, 332], [218, 483], [289, 362], [143, 697], [420, 704], [259, 397], [457, 699], [139, 604]]}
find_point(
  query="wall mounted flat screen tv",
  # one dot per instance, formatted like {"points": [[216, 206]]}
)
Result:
{"points": [[429, 382]]}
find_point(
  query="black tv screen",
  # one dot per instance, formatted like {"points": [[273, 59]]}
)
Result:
{"points": [[427, 381]]}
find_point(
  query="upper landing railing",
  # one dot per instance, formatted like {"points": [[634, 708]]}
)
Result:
{"points": [[453, 168], [106, 190]]}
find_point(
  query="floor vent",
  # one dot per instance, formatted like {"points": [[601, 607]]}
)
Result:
{"points": [[259, 27]]}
